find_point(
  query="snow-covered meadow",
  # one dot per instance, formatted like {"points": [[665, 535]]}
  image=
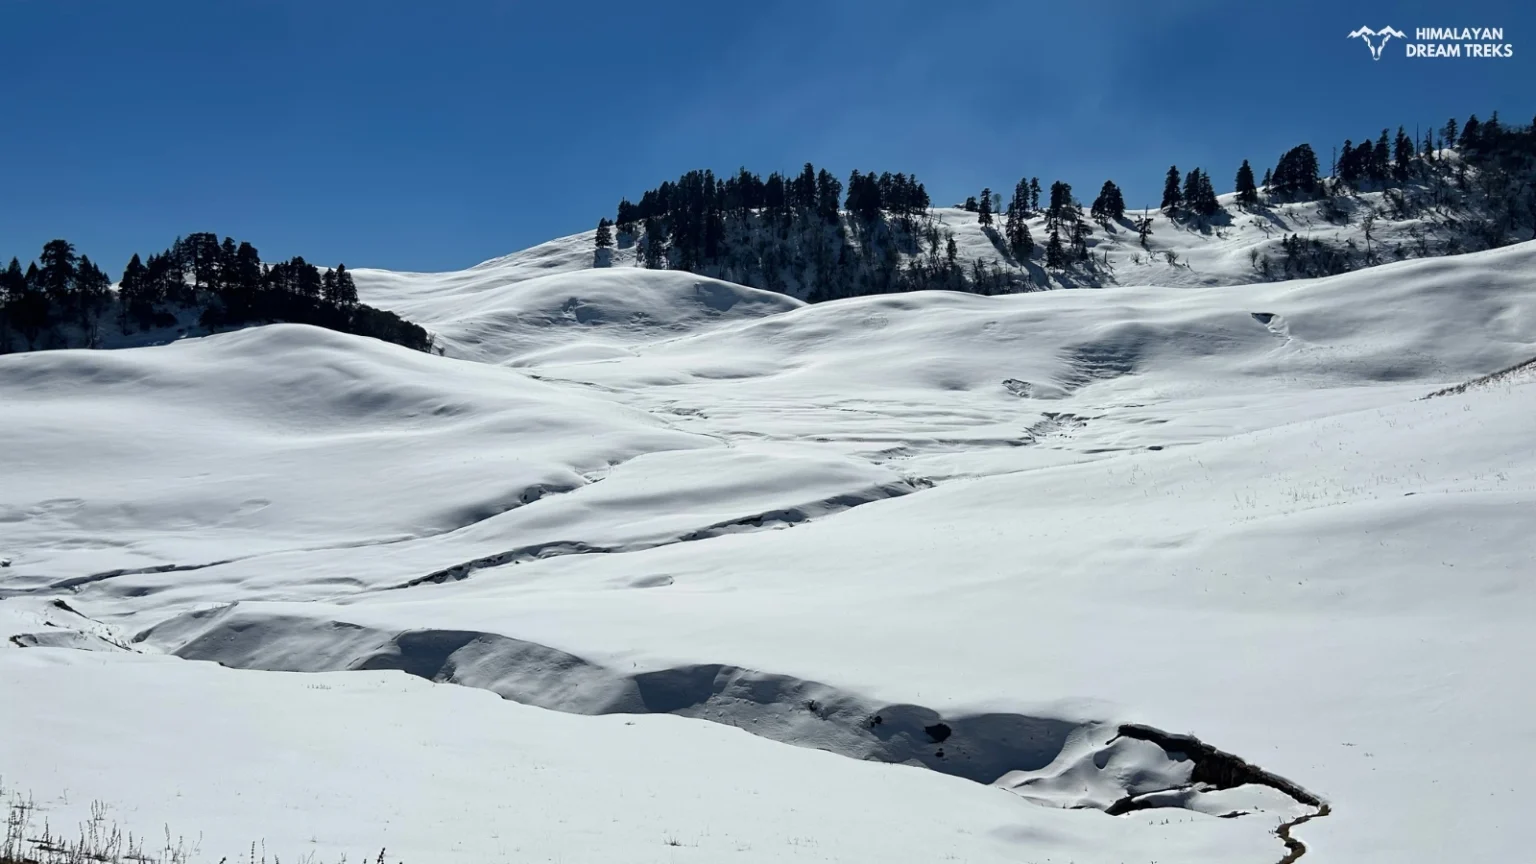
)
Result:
{"points": [[877, 579]]}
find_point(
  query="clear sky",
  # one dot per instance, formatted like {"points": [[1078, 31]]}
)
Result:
{"points": [[433, 134]]}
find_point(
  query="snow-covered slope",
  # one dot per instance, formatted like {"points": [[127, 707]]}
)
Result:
{"points": [[477, 315], [975, 535], [544, 302]]}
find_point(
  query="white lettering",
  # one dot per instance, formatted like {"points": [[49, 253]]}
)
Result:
{"points": [[1459, 34]]}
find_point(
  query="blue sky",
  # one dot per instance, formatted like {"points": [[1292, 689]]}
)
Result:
{"points": [[430, 136]]}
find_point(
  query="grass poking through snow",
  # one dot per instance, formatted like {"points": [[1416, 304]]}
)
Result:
{"points": [[30, 839]]}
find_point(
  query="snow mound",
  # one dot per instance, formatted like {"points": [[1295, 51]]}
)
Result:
{"points": [[1046, 759], [280, 437], [329, 765], [1404, 321], [499, 312]]}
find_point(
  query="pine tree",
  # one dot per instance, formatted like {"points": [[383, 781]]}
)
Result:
{"points": [[655, 256], [346, 288], [1247, 191], [1034, 194], [1296, 175], [829, 191], [865, 199], [803, 195], [1171, 196], [1210, 205], [30, 309], [57, 270], [1269, 179], [1471, 134], [225, 268], [1192, 189], [13, 294], [950, 251], [245, 274], [91, 291], [604, 233], [1062, 207], [627, 216], [1080, 232], [1143, 229], [199, 254], [1349, 171], [1055, 256], [970, 205], [1016, 228], [133, 294], [1021, 242], [1109, 205], [984, 209], [1449, 135], [1381, 159], [306, 277], [1402, 156]]}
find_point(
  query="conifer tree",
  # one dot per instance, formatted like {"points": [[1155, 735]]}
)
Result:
{"points": [[1034, 194], [1349, 164], [1171, 196], [1247, 191], [346, 288], [1080, 240], [604, 234], [30, 308], [245, 273], [91, 291], [1402, 155], [1381, 159], [57, 270], [1296, 175], [1143, 229], [306, 277], [1471, 134], [225, 266], [1109, 205], [1016, 228], [1020, 241], [1209, 203], [133, 293], [984, 209], [13, 293], [1055, 256], [627, 217]]}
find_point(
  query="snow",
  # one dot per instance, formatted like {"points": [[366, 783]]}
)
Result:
{"points": [[478, 314], [650, 510], [503, 309]]}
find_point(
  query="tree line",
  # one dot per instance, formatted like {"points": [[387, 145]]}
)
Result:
{"points": [[756, 231], [64, 299], [807, 231]]}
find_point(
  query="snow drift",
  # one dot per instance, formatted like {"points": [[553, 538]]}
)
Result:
{"points": [[1012, 528]]}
